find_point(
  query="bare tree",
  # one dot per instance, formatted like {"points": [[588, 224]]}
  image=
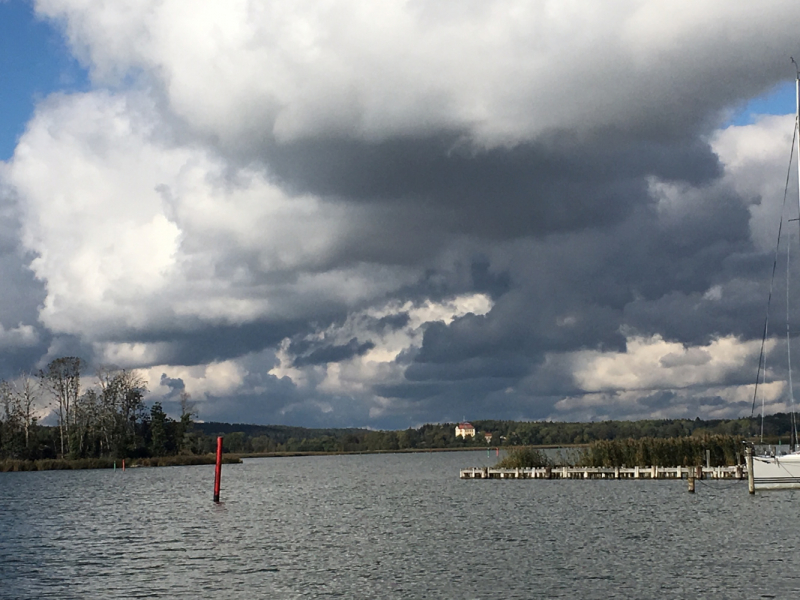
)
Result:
{"points": [[62, 378], [188, 412], [9, 424], [26, 394]]}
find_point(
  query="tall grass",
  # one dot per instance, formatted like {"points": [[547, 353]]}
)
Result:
{"points": [[524, 458], [725, 450]]}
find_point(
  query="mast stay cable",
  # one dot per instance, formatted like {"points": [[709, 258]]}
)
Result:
{"points": [[762, 360]]}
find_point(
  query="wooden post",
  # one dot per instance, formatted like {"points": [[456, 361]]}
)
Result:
{"points": [[751, 484], [218, 470], [691, 484]]}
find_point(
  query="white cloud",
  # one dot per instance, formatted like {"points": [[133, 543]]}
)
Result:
{"points": [[716, 402], [21, 336], [756, 159], [131, 231], [213, 379], [501, 71], [356, 375], [653, 363]]}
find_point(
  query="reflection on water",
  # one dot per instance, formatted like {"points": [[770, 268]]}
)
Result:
{"points": [[387, 526]]}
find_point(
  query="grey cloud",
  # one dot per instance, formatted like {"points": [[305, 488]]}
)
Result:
{"points": [[544, 187], [659, 400], [692, 357], [508, 368], [397, 321], [334, 353], [175, 384]]}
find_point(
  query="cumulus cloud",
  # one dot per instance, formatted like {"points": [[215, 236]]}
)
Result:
{"points": [[385, 214], [133, 232], [500, 71]]}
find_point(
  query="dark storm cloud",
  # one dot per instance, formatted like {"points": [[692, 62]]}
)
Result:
{"points": [[397, 321], [510, 368], [659, 400], [576, 291], [552, 185], [175, 384], [22, 339], [488, 398], [334, 353], [205, 344]]}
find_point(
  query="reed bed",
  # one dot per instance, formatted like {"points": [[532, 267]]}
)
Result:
{"points": [[55, 464], [524, 458], [62, 464], [725, 450]]}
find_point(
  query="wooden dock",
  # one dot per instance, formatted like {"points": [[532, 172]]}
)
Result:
{"points": [[737, 472]]}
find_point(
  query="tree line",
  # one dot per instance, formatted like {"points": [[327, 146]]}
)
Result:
{"points": [[108, 418], [243, 438], [106, 415]]}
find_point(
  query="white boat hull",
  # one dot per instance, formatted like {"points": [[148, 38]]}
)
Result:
{"points": [[776, 472]]}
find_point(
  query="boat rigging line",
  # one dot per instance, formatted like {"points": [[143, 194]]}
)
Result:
{"points": [[762, 359]]}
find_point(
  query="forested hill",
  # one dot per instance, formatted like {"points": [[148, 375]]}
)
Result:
{"points": [[278, 433], [276, 438]]}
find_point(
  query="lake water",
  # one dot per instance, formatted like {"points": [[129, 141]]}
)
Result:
{"points": [[388, 526]]}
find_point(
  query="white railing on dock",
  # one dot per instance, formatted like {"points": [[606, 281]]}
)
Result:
{"points": [[736, 472]]}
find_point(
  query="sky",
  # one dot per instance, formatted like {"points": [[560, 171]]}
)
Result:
{"points": [[386, 214]]}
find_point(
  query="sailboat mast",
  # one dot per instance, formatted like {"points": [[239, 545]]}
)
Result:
{"points": [[793, 434], [796, 119], [793, 424]]}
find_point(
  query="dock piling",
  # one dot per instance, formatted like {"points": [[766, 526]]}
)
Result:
{"points": [[751, 486], [649, 473]]}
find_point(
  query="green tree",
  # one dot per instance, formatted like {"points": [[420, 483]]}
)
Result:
{"points": [[158, 430]]}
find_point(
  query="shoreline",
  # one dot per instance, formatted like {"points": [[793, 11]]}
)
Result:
{"points": [[63, 464], [80, 464], [283, 454]]}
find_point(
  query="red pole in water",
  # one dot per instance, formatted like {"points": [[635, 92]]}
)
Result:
{"points": [[218, 471]]}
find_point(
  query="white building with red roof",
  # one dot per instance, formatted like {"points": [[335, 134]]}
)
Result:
{"points": [[465, 430]]}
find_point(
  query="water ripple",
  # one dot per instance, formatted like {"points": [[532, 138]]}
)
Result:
{"points": [[386, 526]]}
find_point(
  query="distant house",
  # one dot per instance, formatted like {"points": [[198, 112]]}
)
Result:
{"points": [[488, 437], [465, 430]]}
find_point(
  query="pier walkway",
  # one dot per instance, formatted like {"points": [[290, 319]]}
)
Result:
{"points": [[737, 472]]}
